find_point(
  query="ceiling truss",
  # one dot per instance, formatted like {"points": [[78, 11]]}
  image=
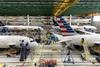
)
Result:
{"points": [[48, 7]]}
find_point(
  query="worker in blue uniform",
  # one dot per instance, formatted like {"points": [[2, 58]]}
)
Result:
{"points": [[27, 50], [22, 51]]}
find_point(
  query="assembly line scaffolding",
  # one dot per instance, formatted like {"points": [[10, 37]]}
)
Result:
{"points": [[86, 55]]}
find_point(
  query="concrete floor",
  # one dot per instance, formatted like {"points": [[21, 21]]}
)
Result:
{"points": [[47, 52]]}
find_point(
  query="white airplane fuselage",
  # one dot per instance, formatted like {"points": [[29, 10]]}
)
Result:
{"points": [[89, 39], [7, 40], [82, 28], [23, 27]]}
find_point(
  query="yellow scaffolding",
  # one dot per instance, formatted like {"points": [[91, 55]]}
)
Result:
{"points": [[62, 6], [86, 50], [31, 62]]}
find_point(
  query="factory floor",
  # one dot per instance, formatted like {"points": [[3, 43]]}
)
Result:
{"points": [[48, 52]]}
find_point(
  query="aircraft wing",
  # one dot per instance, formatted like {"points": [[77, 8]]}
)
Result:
{"points": [[64, 40]]}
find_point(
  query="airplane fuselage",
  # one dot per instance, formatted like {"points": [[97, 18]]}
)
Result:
{"points": [[89, 39], [22, 27], [6, 41]]}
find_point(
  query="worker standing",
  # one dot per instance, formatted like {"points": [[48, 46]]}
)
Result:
{"points": [[22, 51], [27, 50]]}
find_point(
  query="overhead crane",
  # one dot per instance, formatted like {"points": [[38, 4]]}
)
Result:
{"points": [[63, 5]]}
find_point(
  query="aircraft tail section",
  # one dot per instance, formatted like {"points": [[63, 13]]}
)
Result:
{"points": [[65, 27]]}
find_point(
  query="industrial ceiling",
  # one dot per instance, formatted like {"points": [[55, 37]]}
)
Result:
{"points": [[48, 7]]}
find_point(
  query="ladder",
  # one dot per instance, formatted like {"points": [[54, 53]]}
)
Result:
{"points": [[86, 53]]}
